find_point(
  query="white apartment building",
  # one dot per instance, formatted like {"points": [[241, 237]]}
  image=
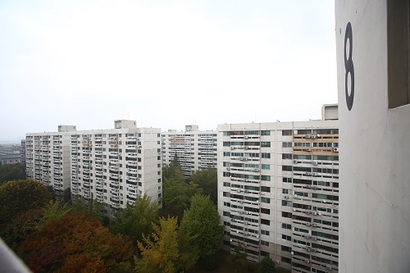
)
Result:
{"points": [[278, 191], [47, 158], [114, 166], [372, 42], [196, 150]]}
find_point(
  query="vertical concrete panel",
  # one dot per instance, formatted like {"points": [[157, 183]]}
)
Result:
{"points": [[375, 208]]}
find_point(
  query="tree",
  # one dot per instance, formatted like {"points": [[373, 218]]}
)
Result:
{"points": [[177, 196], [164, 250], [238, 261], [67, 195], [93, 208], [173, 171], [21, 226], [136, 220], [160, 252], [202, 222], [20, 196], [207, 180], [10, 172], [175, 193], [52, 212], [76, 243], [267, 265]]}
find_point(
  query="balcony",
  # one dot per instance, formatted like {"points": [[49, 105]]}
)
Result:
{"points": [[132, 179], [114, 176]]}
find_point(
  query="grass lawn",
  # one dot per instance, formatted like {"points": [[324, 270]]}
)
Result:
{"points": [[225, 267]]}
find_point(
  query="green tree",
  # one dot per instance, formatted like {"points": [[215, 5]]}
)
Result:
{"points": [[202, 222], [53, 212], [208, 181], [267, 265], [20, 196], [20, 227], [175, 193], [136, 220], [67, 195], [238, 261], [10, 172], [93, 208], [164, 250], [173, 171], [177, 196]]}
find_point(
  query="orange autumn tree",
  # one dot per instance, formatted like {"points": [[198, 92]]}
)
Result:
{"points": [[77, 243]]}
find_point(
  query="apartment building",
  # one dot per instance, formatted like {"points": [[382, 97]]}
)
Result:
{"points": [[195, 150], [47, 157], [10, 154], [278, 191], [372, 48], [113, 166]]}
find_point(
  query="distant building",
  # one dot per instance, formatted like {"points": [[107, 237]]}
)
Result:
{"points": [[23, 151], [114, 166], [195, 150], [372, 41], [278, 191], [10, 154]]}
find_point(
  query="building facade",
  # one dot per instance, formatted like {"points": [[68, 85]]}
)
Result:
{"points": [[113, 166], [10, 154], [195, 150], [47, 158], [278, 192], [372, 42]]}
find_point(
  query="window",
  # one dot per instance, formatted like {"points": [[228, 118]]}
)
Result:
{"points": [[265, 144], [287, 180], [265, 167], [265, 133], [286, 156], [265, 155], [265, 232], [398, 52], [251, 132], [286, 168], [286, 214], [286, 237], [286, 260], [287, 144], [265, 189], [286, 226], [265, 177], [265, 200], [265, 222], [285, 191], [264, 243], [265, 211], [304, 132], [286, 203], [286, 132]]}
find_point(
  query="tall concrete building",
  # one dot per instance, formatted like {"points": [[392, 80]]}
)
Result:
{"points": [[372, 40], [114, 166], [48, 158], [196, 150], [278, 191]]}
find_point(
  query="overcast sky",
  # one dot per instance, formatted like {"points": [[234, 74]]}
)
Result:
{"points": [[163, 63]]}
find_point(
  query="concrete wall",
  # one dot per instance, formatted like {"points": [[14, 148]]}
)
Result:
{"points": [[374, 146]]}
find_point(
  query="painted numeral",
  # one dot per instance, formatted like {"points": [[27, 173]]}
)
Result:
{"points": [[349, 68]]}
